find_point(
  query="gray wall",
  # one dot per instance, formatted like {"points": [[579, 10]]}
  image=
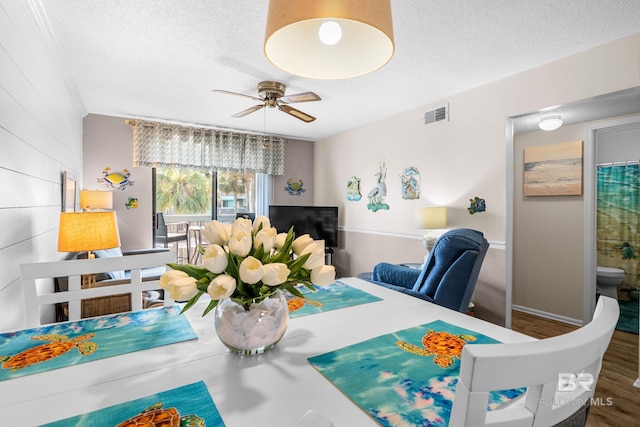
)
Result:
{"points": [[40, 137], [620, 144], [108, 143], [298, 164], [548, 237]]}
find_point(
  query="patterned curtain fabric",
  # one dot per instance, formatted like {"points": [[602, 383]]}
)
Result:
{"points": [[618, 223], [166, 145]]}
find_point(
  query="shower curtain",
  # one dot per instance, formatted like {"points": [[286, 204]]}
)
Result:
{"points": [[618, 220]]}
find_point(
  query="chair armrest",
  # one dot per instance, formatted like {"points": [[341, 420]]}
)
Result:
{"points": [[177, 225], [394, 274], [145, 251]]}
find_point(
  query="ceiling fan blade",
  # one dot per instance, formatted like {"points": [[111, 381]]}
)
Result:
{"points": [[296, 113], [248, 111], [226, 92], [300, 97]]}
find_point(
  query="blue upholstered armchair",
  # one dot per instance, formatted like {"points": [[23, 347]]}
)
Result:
{"points": [[449, 275]]}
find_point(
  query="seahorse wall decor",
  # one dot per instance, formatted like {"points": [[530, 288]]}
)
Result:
{"points": [[353, 189], [410, 183], [378, 193]]}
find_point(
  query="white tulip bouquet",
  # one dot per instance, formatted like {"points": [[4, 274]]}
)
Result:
{"points": [[248, 262]]}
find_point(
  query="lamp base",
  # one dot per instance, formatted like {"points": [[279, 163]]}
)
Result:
{"points": [[88, 281], [428, 240]]}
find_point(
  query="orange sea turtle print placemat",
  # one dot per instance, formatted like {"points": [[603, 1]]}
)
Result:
{"points": [[57, 345]]}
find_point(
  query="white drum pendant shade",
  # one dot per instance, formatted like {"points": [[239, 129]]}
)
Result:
{"points": [[293, 44]]}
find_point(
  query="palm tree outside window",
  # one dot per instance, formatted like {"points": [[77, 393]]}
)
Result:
{"points": [[185, 192]]}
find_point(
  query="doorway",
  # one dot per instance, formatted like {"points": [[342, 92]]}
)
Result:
{"points": [[617, 104]]}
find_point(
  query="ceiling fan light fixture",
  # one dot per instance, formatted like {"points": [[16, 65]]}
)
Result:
{"points": [[272, 94], [550, 123], [299, 35]]}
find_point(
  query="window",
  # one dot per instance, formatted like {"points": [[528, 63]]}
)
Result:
{"points": [[236, 193], [189, 194]]}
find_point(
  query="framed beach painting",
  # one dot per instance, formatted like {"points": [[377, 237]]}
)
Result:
{"points": [[553, 170]]}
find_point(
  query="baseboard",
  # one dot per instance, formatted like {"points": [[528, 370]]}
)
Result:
{"points": [[552, 316]]}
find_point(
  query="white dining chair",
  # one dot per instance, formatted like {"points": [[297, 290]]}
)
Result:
{"points": [[560, 375], [36, 293]]}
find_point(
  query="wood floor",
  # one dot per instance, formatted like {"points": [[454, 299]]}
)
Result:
{"points": [[616, 400]]}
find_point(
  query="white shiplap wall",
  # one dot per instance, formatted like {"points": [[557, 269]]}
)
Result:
{"points": [[40, 137]]}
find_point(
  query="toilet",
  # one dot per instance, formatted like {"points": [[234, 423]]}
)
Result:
{"points": [[607, 281]]}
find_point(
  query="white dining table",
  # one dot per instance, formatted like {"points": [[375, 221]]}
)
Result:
{"points": [[273, 389]]}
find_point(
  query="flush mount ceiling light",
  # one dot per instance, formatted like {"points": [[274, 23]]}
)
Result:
{"points": [[550, 123], [329, 39]]}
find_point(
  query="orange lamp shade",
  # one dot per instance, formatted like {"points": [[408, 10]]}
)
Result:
{"points": [[87, 231], [329, 39]]}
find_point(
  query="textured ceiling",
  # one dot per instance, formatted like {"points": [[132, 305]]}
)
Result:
{"points": [[160, 59]]}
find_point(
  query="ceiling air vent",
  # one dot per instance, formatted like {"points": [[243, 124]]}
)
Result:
{"points": [[437, 115]]}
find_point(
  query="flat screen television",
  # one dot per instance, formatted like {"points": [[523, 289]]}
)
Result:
{"points": [[319, 222]]}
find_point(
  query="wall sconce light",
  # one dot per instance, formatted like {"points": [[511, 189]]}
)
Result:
{"points": [[430, 218], [329, 39], [550, 123], [95, 199]]}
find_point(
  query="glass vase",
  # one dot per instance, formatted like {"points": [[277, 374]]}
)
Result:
{"points": [[255, 330]]}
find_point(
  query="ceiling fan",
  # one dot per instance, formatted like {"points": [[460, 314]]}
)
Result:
{"points": [[271, 94]]}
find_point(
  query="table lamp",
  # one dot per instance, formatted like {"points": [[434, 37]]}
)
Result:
{"points": [[430, 218], [95, 199], [87, 231]]}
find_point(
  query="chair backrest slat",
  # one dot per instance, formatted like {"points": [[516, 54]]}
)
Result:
{"points": [[34, 272]]}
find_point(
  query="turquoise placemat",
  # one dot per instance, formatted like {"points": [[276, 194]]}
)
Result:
{"points": [[326, 298], [58, 345], [407, 377], [189, 403]]}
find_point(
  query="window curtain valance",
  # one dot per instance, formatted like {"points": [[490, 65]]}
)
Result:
{"points": [[166, 145]]}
